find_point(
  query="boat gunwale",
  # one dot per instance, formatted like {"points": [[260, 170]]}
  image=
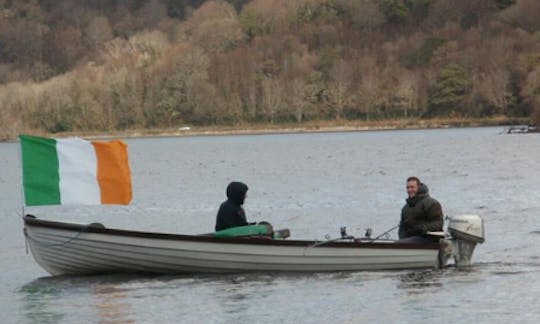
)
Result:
{"points": [[32, 221]]}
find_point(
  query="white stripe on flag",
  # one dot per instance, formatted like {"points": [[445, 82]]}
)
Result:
{"points": [[78, 172]]}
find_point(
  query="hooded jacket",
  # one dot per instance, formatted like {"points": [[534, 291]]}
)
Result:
{"points": [[421, 214], [231, 213]]}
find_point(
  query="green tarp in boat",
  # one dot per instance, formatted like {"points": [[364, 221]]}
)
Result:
{"points": [[248, 230]]}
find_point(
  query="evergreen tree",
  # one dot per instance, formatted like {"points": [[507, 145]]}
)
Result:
{"points": [[447, 96]]}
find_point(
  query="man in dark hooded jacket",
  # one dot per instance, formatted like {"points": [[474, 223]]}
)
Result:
{"points": [[231, 213], [421, 213]]}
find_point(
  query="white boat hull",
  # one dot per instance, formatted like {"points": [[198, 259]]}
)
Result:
{"points": [[62, 249]]}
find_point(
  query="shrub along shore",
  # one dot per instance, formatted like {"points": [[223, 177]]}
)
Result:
{"points": [[291, 128]]}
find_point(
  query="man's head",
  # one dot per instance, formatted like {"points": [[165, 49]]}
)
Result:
{"points": [[237, 192], [413, 184]]}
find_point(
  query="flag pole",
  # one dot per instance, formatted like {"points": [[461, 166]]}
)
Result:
{"points": [[23, 200]]}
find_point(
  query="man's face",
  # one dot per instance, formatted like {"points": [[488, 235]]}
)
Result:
{"points": [[412, 188]]}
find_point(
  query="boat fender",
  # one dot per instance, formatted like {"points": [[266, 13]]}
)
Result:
{"points": [[96, 225]]}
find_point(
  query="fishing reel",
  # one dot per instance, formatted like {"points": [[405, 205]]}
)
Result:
{"points": [[368, 233], [344, 235], [343, 231]]}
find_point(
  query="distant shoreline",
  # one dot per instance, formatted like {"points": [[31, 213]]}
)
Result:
{"points": [[291, 128]]}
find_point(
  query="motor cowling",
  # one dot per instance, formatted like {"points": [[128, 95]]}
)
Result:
{"points": [[467, 228], [466, 231]]}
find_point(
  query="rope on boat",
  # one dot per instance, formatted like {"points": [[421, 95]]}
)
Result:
{"points": [[25, 241], [71, 239]]}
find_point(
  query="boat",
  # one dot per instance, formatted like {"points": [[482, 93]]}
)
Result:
{"points": [[521, 129], [82, 172], [77, 249]]}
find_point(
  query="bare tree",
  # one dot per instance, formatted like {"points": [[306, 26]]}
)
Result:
{"points": [[369, 88], [214, 26], [524, 14], [406, 92], [98, 31], [531, 92], [364, 14], [491, 79], [494, 87], [272, 97], [151, 13], [339, 87], [300, 94]]}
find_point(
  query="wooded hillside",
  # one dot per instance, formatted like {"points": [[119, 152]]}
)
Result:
{"points": [[69, 65]]}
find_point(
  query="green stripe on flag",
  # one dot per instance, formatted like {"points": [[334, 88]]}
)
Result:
{"points": [[41, 179]]}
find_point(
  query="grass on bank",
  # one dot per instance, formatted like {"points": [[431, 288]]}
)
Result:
{"points": [[305, 127]]}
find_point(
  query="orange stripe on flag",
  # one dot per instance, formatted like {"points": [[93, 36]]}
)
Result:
{"points": [[113, 173]]}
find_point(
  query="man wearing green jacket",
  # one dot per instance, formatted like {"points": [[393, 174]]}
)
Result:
{"points": [[421, 214]]}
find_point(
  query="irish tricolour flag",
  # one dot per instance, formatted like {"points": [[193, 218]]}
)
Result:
{"points": [[74, 171]]}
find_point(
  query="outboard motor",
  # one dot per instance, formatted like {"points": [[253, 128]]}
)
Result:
{"points": [[466, 231]]}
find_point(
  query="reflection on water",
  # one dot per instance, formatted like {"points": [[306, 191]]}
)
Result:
{"points": [[259, 297], [418, 281], [36, 299], [110, 304], [44, 298], [434, 280]]}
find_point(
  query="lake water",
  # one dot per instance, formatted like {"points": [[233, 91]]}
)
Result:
{"points": [[311, 184]]}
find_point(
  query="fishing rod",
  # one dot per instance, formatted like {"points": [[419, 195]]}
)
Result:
{"points": [[379, 236], [344, 236]]}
